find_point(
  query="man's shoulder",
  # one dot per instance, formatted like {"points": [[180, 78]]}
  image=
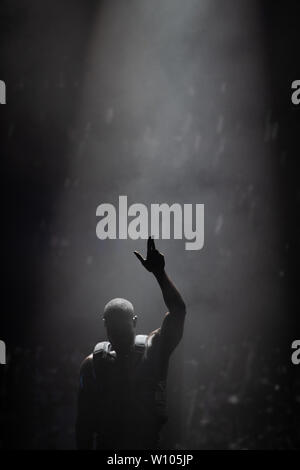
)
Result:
{"points": [[86, 373], [153, 338], [86, 365]]}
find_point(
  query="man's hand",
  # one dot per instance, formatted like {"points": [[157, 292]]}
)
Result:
{"points": [[155, 262], [171, 330]]}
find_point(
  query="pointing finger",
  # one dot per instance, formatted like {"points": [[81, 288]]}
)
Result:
{"points": [[152, 244], [148, 246]]}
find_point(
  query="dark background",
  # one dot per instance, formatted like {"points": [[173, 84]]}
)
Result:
{"points": [[167, 101]]}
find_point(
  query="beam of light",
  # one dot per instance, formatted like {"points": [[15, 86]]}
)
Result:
{"points": [[175, 109]]}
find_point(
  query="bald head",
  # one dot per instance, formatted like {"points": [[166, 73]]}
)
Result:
{"points": [[120, 324], [118, 308]]}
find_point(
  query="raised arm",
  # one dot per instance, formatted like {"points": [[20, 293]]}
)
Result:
{"points": [[172, 326]]}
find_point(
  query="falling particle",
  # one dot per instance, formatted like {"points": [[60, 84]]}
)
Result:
{"points": [[109, 115], [89, 260], [233, 399], [271, 129], [220, 124], [219, 224], [64, 243], [197, 142], [221, 147], [233, 446], [204, 422], [274, 130], [264, 381], [187, 123], [67, 183], [223, 87]]}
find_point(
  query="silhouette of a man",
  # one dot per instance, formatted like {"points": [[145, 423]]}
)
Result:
{"points": [[122, 402]]}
